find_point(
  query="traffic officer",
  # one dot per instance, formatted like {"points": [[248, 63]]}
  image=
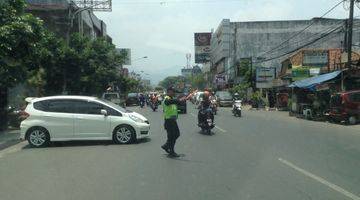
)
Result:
{"points": [[170, 125]]}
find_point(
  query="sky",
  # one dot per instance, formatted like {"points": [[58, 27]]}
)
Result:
{"points": [[163, 30]]}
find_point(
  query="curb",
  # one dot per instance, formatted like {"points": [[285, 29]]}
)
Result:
{"points": [[9, 143]]}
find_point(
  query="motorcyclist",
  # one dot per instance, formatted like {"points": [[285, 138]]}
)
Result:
{"points": [[236, 96], [142, 100], [204, 105], [154, 100]]}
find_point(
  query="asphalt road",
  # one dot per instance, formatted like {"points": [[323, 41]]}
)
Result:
{"points": [[263, 155]]}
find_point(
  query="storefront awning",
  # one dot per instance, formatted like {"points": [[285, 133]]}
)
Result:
{"points": [[310, 83]]}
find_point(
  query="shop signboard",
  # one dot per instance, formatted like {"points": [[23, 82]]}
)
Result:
{"points": [[265, 74], [300, 73], [318, 58]]}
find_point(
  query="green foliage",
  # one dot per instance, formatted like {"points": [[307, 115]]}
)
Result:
{"points": [[256, 96], [127, 84], [171, 81], [241, 89], [198, 81], [20, 35]]}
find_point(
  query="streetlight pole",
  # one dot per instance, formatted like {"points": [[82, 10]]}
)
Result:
{"points": [[144, 57]]}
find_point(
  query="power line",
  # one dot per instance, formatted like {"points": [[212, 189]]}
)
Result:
{"points": [[298, 48], [301, 31], [297, 43], [324, 35]]}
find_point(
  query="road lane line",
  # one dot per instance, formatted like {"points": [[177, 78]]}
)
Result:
{"points": [[321, 180], [220, 129]]}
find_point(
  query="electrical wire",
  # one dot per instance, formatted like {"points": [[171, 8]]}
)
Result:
{"points": [[327, 35], [299, 42], [302, 46], [301, 31]]}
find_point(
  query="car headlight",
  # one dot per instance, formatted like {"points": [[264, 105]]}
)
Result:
{"points": [[136, 119]]}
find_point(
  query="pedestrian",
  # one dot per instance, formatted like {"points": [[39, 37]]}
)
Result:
{"points": [[170, 116]]}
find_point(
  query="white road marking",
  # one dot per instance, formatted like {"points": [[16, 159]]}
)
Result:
{"points": [[220, 129], [321, 180], [13, 149]]}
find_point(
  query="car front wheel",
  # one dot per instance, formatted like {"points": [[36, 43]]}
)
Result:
{"points": [[38, 137], [124, 134]]}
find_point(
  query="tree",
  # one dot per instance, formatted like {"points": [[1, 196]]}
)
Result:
{"points": [[198, 81], [20, 34], [171, 81]]}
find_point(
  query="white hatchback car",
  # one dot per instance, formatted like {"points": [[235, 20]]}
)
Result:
{"points": [[65, 118]]}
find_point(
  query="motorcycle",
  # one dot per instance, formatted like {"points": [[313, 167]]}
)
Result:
{"points": [[207, 122], [236, 109], [213, 106]]}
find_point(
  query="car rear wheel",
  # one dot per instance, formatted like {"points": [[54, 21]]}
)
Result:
{"points": [[38, 137], [124, 134]]}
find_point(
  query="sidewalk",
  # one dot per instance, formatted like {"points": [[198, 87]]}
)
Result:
{"points": [[9, 138]]}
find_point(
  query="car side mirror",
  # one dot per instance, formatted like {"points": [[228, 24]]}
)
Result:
{"points": [[103, 112]]}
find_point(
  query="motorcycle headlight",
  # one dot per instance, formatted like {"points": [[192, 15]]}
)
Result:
{"points": [[136, 119]]}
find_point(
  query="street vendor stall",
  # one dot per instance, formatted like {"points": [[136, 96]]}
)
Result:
{"points": [[310, 97]]}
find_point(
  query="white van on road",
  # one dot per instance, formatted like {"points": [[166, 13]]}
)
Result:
{"points": [[65, 118]]}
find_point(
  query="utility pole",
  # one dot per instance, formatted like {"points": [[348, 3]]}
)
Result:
{"points": [[349, 32], [349, 41]]}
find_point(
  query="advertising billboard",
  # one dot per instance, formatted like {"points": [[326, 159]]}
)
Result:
{"points": [[202, 47]]}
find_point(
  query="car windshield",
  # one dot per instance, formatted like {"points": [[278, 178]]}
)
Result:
{"points": [[294, 64]]}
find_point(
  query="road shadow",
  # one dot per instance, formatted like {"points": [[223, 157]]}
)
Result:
{"points": [[212, 133], [82, 143], [182, 157]]}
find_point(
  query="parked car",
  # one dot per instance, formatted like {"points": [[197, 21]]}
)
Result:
{"points": [[132, 99], [224, 98], [182, 108], [345, 106], [112, 96], [64, 118]]}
